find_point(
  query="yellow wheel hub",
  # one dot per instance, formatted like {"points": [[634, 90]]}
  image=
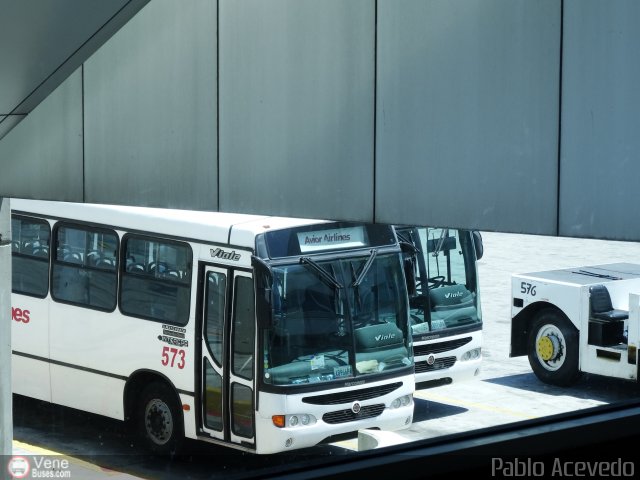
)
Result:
{"points": [[545, 348]]}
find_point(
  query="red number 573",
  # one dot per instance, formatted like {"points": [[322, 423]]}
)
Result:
{"points": [[169, 355]]}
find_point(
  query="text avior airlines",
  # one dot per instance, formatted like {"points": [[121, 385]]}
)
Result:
{"points": [[327, 238]]}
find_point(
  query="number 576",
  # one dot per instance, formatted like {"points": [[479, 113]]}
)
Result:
{"points": [[527, 288]]}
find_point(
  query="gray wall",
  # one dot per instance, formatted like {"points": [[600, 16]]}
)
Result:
{"points": [[7, 122], [507, 115], [42, 156], [296, 107], [150, 110], [467, 112], [600, 164]]}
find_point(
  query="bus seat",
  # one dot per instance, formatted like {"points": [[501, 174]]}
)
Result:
{"points": [[93, 257], [73, 257], [379, 336], [606, 324], [450, 297], [106, 263], [41, 251], [135, 267], [452, 305]]}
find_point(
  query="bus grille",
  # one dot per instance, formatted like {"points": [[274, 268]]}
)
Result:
{"points": [[352, 395], [439, 364], [439, 347], [343, 416]]}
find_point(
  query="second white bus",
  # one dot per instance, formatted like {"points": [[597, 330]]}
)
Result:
{"points": [[261, 333], [446, 314]]}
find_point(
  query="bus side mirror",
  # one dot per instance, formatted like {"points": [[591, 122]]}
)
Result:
{"points": [[409, 253], [410, 275], [264, 291], [263, 306], [477, 240]]}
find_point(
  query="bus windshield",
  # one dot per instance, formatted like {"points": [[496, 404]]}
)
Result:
{"points": [[336, 319], [447, 288]]}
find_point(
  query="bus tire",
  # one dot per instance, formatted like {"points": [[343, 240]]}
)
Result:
{"points": [[553, 348], [159, 420]]}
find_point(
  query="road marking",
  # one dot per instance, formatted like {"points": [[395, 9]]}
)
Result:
{"points": [[34, 449], [349, 444]]}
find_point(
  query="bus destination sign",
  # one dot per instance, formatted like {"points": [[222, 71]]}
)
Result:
{"points": [[350, 237]]}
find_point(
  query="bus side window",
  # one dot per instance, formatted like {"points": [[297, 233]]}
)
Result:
{"points": [[215, 308], [243, 328], [78, 278], [30, 256], [156, 279]]}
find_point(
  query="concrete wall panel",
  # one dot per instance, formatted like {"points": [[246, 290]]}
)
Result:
{"points": [[296, 107], [41, 157], [424, 111], [55, 31], [600, 117], [467, 113], [7, 122], [150, 110]]}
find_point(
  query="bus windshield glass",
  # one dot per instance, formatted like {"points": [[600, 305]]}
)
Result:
{"points": [[337, 319], [447, 287]]}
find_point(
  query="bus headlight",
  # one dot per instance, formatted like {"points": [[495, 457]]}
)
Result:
{"points": [[294, 420], [471, 355], [402, 401]]}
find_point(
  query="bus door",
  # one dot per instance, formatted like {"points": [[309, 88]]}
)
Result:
{"points": [[227, 345]]}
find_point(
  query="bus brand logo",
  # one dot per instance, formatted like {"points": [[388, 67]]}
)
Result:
{"points": [[453, 295], [219, 253], [431, 360], [353, 384], [355, 408], [429, 337], [388, 336]]}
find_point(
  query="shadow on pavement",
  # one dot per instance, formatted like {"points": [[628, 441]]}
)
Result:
{"points": [[430, 410], [591, 387]]}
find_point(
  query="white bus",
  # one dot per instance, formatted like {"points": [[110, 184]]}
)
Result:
{"points": [[445, 314], [261, 333]]}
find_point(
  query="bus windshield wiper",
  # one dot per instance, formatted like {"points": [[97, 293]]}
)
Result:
{"points": [[365, 269], [438, 248], [322, 273], [402, 237]]}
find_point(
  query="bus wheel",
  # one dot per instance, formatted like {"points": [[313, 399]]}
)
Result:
{"points": [[553, 349], [159, 421]]}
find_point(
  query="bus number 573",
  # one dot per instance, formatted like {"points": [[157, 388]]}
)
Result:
{"points": [[169, 355]]}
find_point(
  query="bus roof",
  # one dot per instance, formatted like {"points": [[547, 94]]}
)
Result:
{"points": [[232, 228]]}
